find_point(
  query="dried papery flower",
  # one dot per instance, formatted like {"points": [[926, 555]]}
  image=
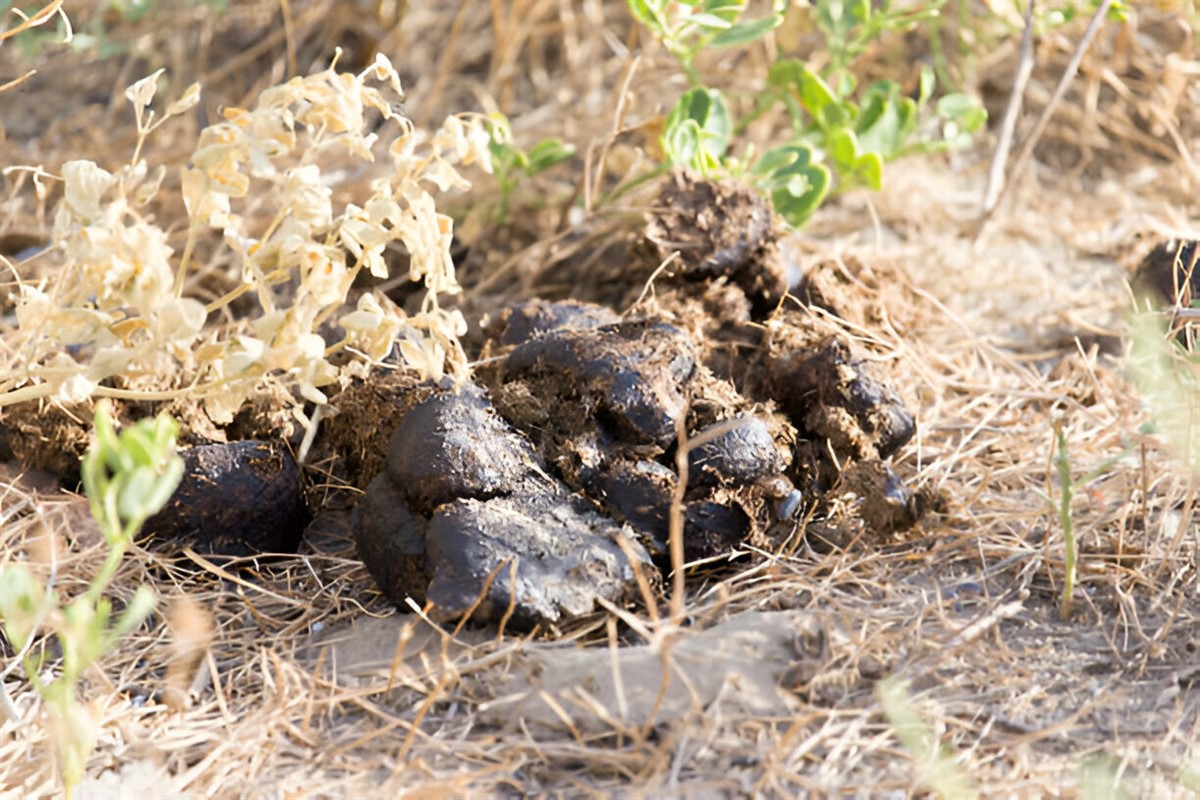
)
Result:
{"points": [[265, 179], [84, 187], [371, 328], [141, 94], [307, 199]]}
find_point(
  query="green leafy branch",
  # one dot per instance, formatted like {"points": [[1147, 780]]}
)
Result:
{"points": [[127, 478], [511, 164], [841, 138], [687, 27]]}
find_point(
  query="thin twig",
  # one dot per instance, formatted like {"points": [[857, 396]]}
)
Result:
{"points": [[1022, 160], [1015, 101], [618, 124]]}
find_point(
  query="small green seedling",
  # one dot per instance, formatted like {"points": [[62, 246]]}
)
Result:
{"points": [[1066, 519], [698, 131], [934, 765], [127, 478], [510, 164]]}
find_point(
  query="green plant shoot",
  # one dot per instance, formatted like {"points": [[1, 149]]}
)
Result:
{"points": [[698, 131], [127, 478], [935, 767], [687, 27], [510, 163], [1066, 519]]}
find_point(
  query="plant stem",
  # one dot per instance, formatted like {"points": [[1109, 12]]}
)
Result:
{"points": [[1068, 525], [185, 259], [112, 561]]}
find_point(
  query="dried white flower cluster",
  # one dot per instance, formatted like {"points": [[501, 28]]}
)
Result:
{"points": [[119, 306]]}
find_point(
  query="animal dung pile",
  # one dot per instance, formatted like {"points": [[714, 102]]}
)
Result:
{"points": [[550, 479]]}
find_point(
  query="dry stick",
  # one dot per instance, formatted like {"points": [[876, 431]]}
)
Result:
{"points": [[289, 36], [1024, 69], [664, 652], [487, 587], [422, 710], [512, 600], [15, 82], [639, 575], [650, 281], [610, 626], [618, 124], [675, 524], [40, 18], [443, 69], [1072, 67], [634, 622], [403, 637], [225, 574], [684, 448]]}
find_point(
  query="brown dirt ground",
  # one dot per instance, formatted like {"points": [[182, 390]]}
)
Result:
{"points": [[995, 337]]}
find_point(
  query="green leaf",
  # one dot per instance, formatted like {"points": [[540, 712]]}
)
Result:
{"points": [[925, 86], [819, 100], [815, 93], [746, 32], [774, 160], [888, 121], [870, 112], [868, 171], [728, 10], [1117, 12], [22, 598], [681, 141], [138, 445], [963, 108], [651, 14], [845, 85], [703, 20], [143, 471], [844, 149], [547, 153], [802, 196], [786, 73], [783, 82], [839, 17], [168, 482], [796, 183], [140, 607], [698, 130]]}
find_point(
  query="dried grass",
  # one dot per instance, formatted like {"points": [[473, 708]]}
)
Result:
{"points": [[993, 342]]}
